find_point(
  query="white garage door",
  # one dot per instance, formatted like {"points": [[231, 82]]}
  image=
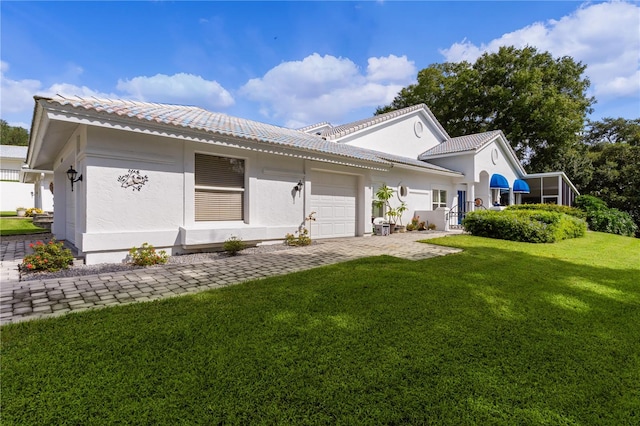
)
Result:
{"points": [[333, 198]]}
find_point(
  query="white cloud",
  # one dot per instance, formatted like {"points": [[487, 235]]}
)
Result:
{"points": [[322, 88], [602, 36], [70, 90], [179, 88], [391, 68], [17, 95]]}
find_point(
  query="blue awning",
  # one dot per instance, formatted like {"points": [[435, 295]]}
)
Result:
{"points": [[520, 187], [498, 182]]}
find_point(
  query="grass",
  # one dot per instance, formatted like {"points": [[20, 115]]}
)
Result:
{"points": [[19, 226], [503, 333], [10, 213]]}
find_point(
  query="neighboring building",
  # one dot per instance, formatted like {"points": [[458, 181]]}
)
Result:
{"points": [[14, 192], [184, 179]]}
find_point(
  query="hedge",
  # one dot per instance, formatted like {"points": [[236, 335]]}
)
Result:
{"points": [[571, 211], [531, 226], [601, 218], [612, 221]]}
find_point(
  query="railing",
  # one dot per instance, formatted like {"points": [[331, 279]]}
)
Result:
{"points": [[455, 215], [7, 174]]}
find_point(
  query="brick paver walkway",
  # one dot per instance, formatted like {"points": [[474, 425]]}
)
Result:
{"points": [[23, 300]]}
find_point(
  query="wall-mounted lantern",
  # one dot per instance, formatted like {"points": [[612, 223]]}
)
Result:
{"points": [[299, 186], [71, 174]]}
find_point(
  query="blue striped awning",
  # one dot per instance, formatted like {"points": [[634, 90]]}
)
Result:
{"points": [[520, 187], [498, 182]]}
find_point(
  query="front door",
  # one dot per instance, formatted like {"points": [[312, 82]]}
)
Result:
{"points": [[462, 205]]}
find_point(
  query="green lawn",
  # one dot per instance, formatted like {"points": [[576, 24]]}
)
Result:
{"points": [[18, 226], [503, 333]]}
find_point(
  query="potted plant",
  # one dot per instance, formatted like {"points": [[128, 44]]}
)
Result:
{"points": [[383, 195], [399, 212], [21, 211]]}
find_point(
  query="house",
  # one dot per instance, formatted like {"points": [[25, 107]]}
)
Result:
{"points": [[17, 192], [185, 179]]}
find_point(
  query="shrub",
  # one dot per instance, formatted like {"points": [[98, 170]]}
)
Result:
{"points": [[146, 255], [612, 221], [589, 203], [532, 226], [571, 211], [33, 211], [417, 225], [303, 238], [601, 218], [49, 257], [233, 246], [414, 224]]}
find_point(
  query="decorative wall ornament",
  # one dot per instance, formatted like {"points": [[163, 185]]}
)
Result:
{"points": [[133, 180]]}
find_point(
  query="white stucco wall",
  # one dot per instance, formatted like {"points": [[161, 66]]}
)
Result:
{"points": [[408, 137], [162, 212], [103, 218], [16, 194], [478, 167], [69, 218], [420, 188], [502, 164]]}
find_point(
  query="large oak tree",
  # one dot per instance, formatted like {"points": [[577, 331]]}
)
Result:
{"points": [[614, 151], [538, 101]]}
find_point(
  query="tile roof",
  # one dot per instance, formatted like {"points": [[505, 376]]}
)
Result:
{"points": [[13, 151], [195, 118], [461, 144], [346, 129], [413, 162], [315, 126]]}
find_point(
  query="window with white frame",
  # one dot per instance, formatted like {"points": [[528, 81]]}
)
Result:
{"points": [[439, 198], [219, 188]]}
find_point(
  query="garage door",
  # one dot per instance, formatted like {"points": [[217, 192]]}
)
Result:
{"points": [[333, 198]]}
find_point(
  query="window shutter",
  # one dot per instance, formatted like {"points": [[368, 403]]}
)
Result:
{"points": [[224, 199], [217, 205], [219, 171]]}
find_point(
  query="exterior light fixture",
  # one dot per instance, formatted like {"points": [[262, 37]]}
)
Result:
{"points": [[299, 186], [71, 174]]}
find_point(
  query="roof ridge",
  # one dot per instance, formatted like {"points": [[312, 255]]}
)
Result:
{"points": [[312, 126], [337, 132]]}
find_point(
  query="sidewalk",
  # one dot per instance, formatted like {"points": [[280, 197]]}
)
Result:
{"points": [[25, 300]]}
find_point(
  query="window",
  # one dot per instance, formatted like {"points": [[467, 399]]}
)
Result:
{"points": [[376, 210], [403, 191], [219, 188], [439, 198]]}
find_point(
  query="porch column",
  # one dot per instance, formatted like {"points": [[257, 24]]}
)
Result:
{"points": [[472, 195]]}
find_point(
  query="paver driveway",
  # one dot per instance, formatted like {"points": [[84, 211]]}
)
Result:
{"points": [[23, 300]]}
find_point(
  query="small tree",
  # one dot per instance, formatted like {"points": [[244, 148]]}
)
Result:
{"points": [[384, 195]]}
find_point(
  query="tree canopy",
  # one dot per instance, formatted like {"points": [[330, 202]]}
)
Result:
{"points": [[10, 135], [614, 154], [538, 101]]}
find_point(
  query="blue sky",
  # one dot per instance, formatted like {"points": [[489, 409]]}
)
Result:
{"points": [[295, 63]]}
